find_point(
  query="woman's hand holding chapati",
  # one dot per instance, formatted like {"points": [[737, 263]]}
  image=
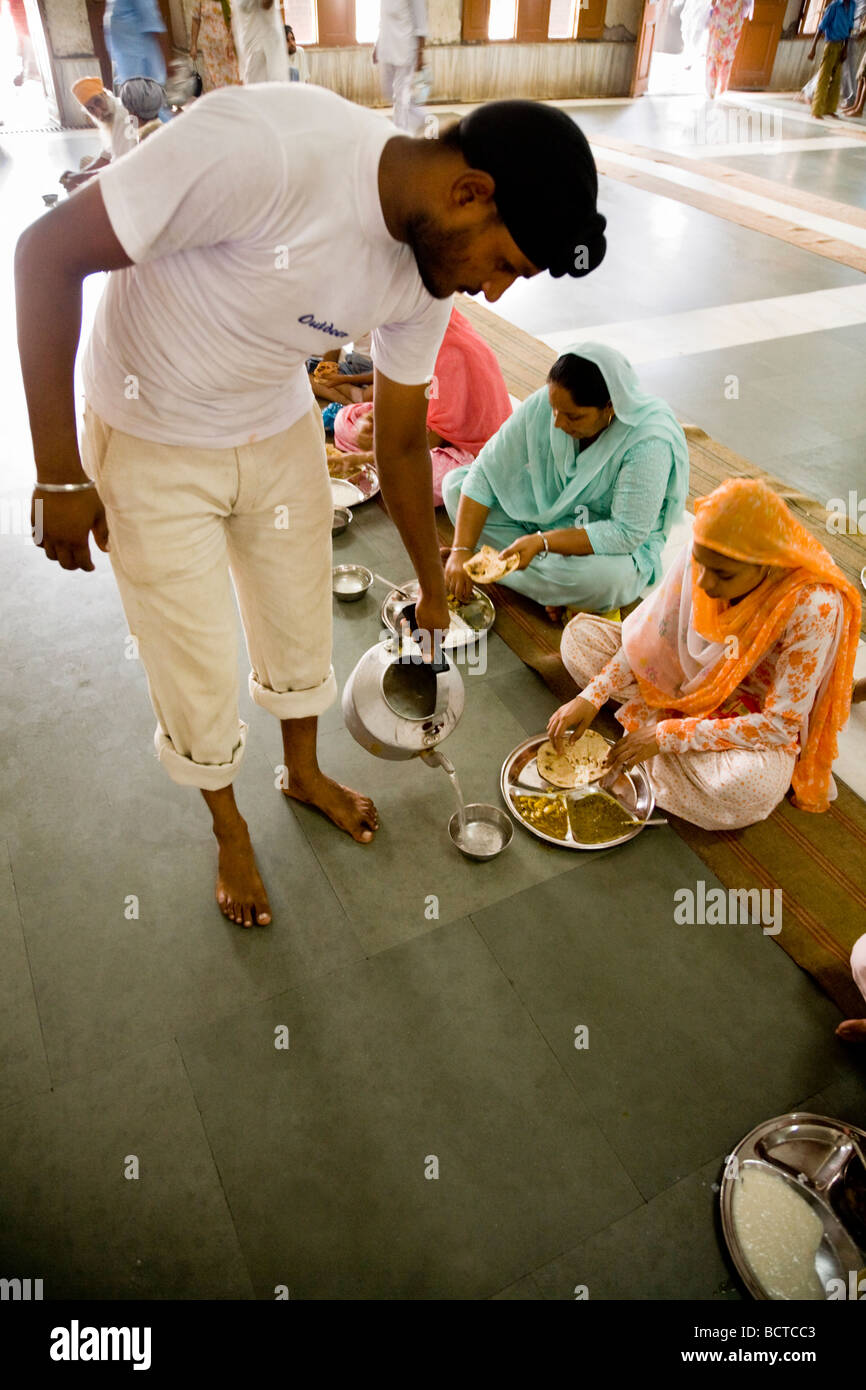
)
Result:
{"points": [[636, 747], [577, 715], [526, 548], [62, 523]]}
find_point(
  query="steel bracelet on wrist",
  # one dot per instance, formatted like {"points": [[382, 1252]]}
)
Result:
{"points": [[65, 487]]}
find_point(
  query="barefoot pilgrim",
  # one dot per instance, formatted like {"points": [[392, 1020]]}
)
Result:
{"points": [[220, 234]]}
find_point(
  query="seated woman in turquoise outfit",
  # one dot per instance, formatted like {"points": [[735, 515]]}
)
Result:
{"points": [[583, 483]]}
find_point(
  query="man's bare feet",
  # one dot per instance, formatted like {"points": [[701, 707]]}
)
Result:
{"points": [[350, 811], [852, 1030], [239, 889]]}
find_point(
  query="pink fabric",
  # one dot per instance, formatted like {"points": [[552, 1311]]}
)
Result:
{"points": [[468, 396], [445, 459], [347, 423]]}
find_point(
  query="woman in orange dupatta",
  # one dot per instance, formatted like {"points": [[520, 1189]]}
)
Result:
{"points": [[735, 674]]}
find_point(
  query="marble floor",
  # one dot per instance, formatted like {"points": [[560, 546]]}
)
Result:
{"points": [[432, 1130]]}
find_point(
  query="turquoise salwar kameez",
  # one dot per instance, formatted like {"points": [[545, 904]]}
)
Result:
{"points": [[626, 490]]}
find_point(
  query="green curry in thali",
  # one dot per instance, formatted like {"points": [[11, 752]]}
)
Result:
{"points": [[594, 818]]}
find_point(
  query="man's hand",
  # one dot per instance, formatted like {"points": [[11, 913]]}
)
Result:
{"points": [[526, 548], [637, 747], [433, 616], [578, 714], [63, 523], [457, 581]]}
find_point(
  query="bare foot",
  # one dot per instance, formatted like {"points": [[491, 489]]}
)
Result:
{"points": [[852, 1030], [554, 614], [239, 889], [349, 810]]}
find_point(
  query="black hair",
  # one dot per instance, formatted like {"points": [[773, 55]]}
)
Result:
{"points": [[581, 379]]}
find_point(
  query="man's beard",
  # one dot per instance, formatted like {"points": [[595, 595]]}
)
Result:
{"points": [[438, 254]]}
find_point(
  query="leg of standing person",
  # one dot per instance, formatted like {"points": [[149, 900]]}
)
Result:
{"points": [[386, 79], [829, 60], [170, 559], [835, 86], [279, 543], [403, 95], [724, 76]]}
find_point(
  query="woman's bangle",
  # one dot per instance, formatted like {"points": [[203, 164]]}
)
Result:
{"points": [[65, 487], [461, 547], [543, 540]]}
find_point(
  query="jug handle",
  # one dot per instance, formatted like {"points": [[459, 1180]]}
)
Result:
{"points": [[439, 667]]}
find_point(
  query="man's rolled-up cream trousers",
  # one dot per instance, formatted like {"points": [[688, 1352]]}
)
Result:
{"points": [[182, 524]]}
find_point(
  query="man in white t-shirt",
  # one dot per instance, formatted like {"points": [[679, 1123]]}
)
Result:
{"points": [[260, 41], [203, 448], [399, 52]]}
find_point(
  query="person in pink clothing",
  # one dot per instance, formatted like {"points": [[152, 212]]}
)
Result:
{"points": [[468, 403], [727, 20]]}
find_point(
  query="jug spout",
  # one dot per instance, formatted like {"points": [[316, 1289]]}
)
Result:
{"points": [[434, 758]]}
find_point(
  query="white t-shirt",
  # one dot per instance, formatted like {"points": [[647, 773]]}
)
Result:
{"points": [[258, 239], [401, 23]]}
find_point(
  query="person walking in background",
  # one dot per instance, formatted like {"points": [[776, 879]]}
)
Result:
{"points": [[260, 41], [131, 34], [29, 71], [299, 66], [836, 25], [399, 53], [212, 45], [727, 18]]}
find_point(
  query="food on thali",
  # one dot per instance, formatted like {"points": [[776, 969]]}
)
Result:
{"points": [[340, 465], [486, 567], [546, 813], [779, 1233], [597, 817], [580, 762]]}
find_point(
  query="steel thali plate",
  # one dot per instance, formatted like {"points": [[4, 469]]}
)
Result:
{"points": [[520, 777]]}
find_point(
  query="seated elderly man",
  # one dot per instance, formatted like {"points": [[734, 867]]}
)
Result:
{"points": [[118, 121]]}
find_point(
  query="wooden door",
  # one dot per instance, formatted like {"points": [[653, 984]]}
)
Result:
{"points": [[96, 18], [533, 19], [590, 19], [756, 51], [476, 16], [644, 47]]}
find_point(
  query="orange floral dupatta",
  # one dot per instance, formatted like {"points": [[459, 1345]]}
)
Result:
{"points": [[745, 520]]}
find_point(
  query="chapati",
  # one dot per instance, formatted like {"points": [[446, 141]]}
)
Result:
{"points": [[578, 764]]}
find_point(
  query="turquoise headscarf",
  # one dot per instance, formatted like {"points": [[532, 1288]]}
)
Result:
{"points": [[539, 477]]}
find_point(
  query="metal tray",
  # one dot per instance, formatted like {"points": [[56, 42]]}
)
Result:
{"points": [[520, 776], [366, 482], [814, 1154], [483, 613]]}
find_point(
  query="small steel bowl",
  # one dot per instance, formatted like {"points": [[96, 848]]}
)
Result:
{"points": [[350, 582], [341, 520], [50, 199], [494, 820]]}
